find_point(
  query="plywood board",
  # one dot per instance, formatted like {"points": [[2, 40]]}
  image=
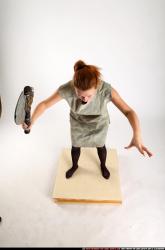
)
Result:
{"points": [[87, 185]]}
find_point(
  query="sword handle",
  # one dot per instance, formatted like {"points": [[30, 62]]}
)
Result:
{"points": [[28, 92], [27, 121]]}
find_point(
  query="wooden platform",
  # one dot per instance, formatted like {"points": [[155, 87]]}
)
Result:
{"points": [[87, 185]]}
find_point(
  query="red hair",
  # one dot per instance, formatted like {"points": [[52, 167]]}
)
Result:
{"points": [[86, 76]]}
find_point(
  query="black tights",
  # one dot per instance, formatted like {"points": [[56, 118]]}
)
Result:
{"points": [[102, 153], [75, 153]]}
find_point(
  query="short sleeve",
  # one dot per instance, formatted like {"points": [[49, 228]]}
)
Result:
{"points": [[65, 90], [106, 90]]}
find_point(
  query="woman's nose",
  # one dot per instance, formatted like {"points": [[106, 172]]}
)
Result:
{"points": [[84, 98]]}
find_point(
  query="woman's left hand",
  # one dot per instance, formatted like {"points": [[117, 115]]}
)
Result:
{"points": [[137, 142]]}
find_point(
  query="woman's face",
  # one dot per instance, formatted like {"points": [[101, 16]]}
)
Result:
{"points": [[85, 95]]}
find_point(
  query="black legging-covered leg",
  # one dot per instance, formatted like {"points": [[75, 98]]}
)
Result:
{"points": [[102, 153], [75, 153]]}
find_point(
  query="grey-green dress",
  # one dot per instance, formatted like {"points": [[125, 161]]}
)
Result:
{"points": [[88, 122]]}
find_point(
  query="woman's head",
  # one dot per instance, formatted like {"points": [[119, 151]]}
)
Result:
{"points": [[86, 79]]}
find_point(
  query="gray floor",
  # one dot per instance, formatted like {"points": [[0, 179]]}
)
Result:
{"points": [[30, 217]]}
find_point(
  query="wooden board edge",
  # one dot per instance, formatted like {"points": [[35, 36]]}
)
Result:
{"points": [[62, 200]]}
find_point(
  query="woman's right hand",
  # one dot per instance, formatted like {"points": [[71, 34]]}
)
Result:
{"points": [[26, 127]]}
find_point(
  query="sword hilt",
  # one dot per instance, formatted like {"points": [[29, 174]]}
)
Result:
{"points": [[28, 92]]}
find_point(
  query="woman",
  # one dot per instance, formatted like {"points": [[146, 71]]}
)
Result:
{"points": [[87, 95]]}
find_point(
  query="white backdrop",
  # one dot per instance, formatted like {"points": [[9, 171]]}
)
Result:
{"points": [[40, 40]]}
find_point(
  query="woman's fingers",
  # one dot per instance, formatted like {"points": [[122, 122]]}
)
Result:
{"points": [[129, 146], [142, 149], [147, 151], [25, 126]]}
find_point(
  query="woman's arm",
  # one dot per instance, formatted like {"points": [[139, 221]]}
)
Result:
{"points": [[133, 120], [42, 106]]}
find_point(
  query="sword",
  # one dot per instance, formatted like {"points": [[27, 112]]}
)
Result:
{"points": [[23, 108]]}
